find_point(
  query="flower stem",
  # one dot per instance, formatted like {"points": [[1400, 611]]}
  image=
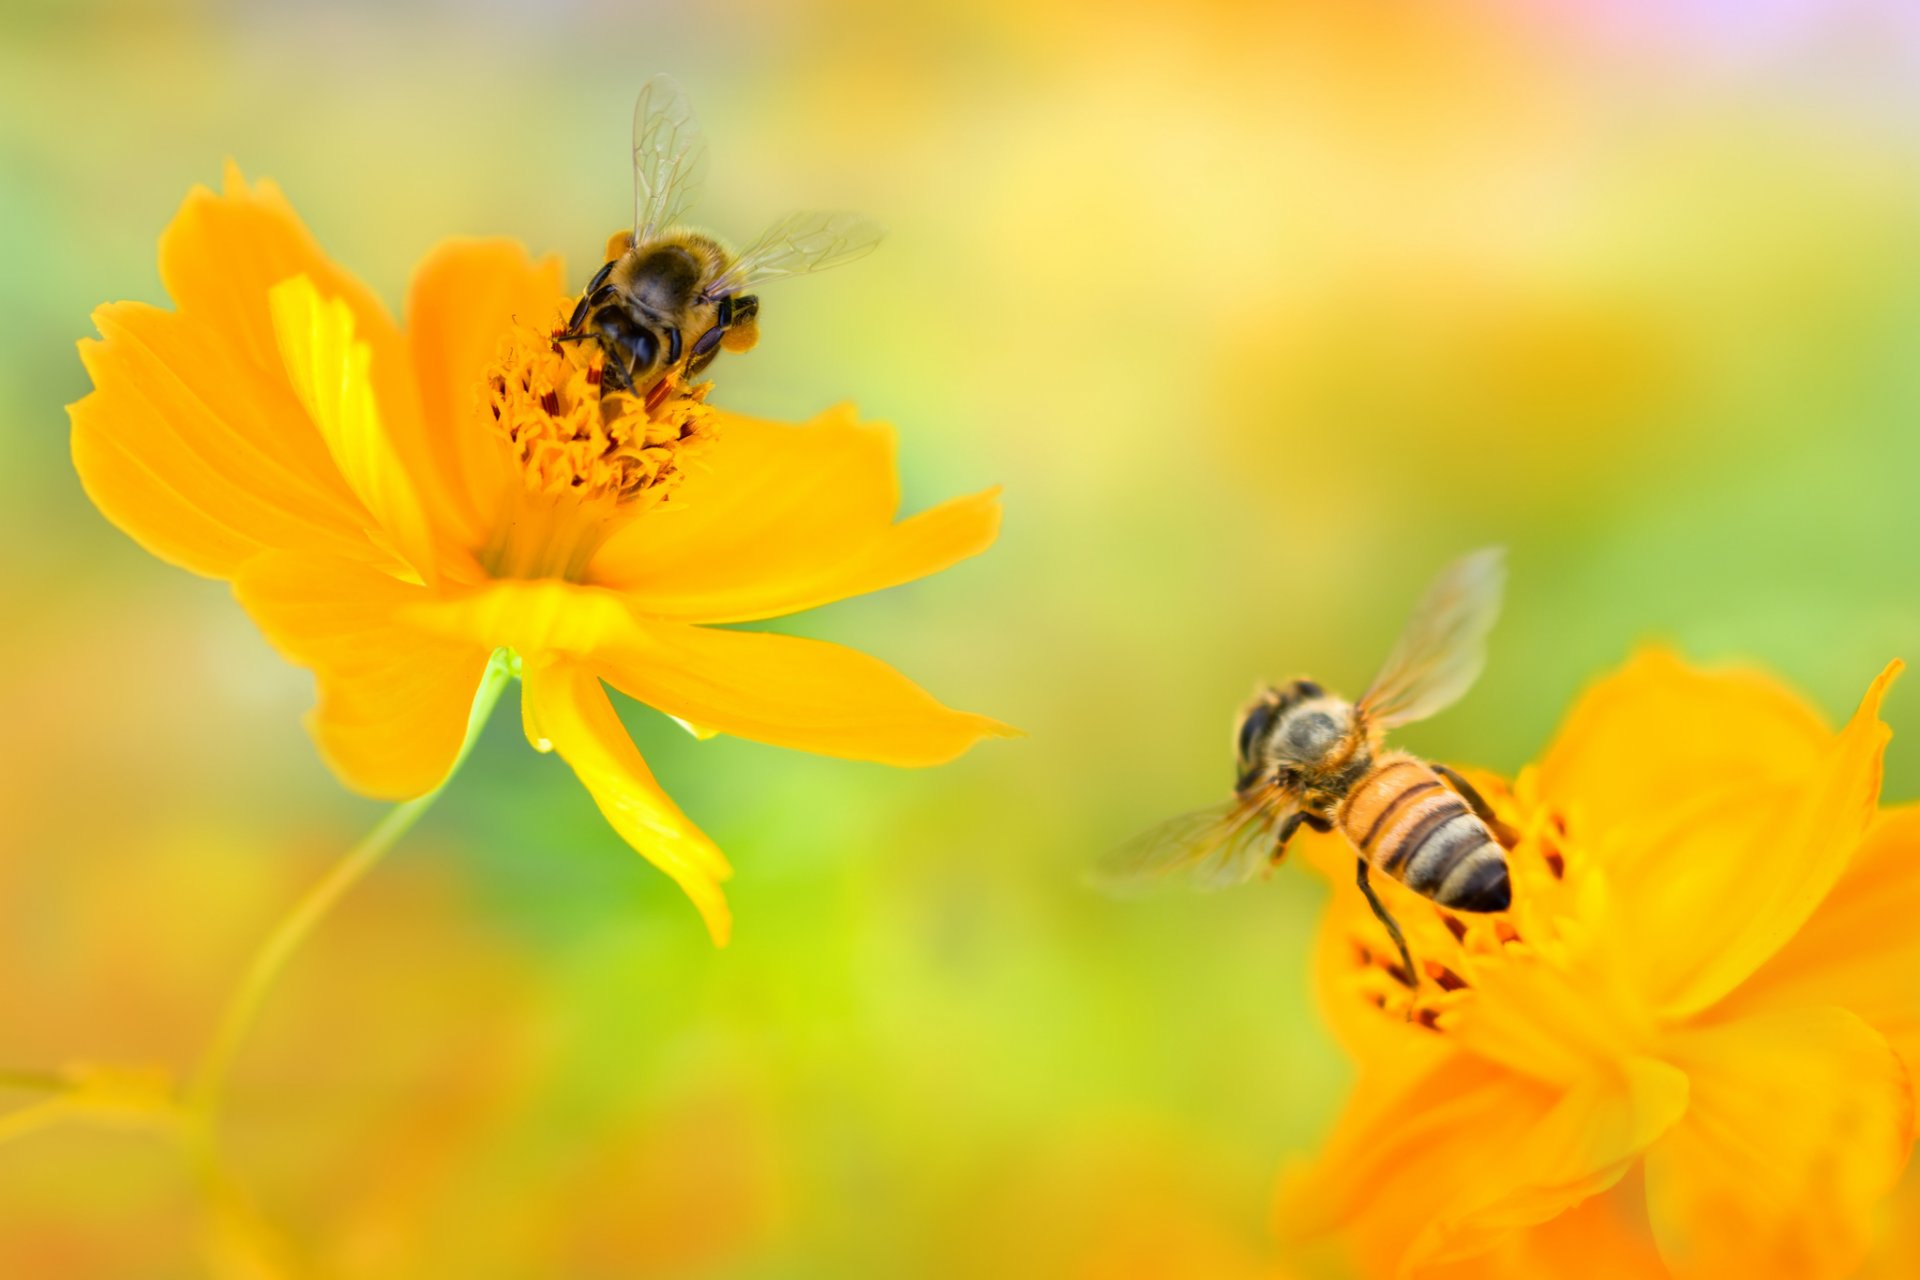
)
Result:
{"points": [[243, 1007]]}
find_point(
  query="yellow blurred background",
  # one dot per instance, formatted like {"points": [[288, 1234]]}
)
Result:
{"points": [[1260, 314]]}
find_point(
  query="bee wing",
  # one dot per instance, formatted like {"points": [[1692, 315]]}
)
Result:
{"points": [[812, 240], [669, 157], [1444, 647], [1212, 848]]}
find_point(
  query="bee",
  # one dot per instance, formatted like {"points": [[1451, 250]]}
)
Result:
{"points": [[1308, 757], [672, 298]]}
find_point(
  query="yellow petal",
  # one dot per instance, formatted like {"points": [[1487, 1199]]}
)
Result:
{"points": [[1799, 1124], [1407, 1177], [1659, 732], [1720, 884], [804, 694], [1861, 949], [331, 374], [567, 711], [393, 698], [222, 253], [195, 442], [221, 256], [465, 295], [1580, 1147], [203, 458], [533, 618], [1604, 1237], [785, 517]]}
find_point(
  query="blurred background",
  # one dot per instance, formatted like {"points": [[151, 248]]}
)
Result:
{"points": [[1260, 314]]}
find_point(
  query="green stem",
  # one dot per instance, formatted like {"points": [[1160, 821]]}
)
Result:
{"points": [[243, 1007]]}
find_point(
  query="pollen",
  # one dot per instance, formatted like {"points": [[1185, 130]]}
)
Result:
{"points": [[570, 434], [588, 457]]}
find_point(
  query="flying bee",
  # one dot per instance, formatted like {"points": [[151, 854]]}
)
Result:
{"points": [[1306, 756], [669, 297]]}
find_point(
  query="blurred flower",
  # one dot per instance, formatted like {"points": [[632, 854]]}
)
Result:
{"points": [[392, 508], [1705, 980]]}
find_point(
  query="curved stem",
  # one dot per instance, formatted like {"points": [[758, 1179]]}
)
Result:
{"points": [[243, 1007]]}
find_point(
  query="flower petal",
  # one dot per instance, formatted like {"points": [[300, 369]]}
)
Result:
{"points": [[1604, 1237], [1861, 949], [193, 441], [784, 690], [1658, 732], [786, 517], [202, 458], [567, 711], [331, 375], [1722, 883], [465, 295], [393, 699], [223, 253], [1799, 1124], [1406, 1177], [804, 694]]}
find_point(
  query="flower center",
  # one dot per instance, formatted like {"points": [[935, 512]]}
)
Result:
{"points": [[589, 458], [1457, 951]]}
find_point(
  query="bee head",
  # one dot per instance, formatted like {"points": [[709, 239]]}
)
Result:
{"points": [[1279, 724]]}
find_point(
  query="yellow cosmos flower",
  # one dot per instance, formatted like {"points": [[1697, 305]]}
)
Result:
{"points": [[1702, 999], [393, 506]]}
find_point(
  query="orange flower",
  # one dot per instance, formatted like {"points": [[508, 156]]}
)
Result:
{"points": [[392, 507], [1705, 981]]}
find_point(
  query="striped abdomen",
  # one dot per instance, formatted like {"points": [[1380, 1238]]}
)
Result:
{"points": [[1409, 824]]}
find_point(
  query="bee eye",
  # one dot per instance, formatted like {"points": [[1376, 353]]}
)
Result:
{"points": [[1253, 728]]}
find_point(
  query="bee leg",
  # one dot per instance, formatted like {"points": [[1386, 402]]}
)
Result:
{"points": [[589, 297], [1280, 838], [614, 374], [1505, 834], [1393, 929]]}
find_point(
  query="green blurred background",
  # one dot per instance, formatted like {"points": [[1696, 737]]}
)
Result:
{"points": [[1259, 314]]}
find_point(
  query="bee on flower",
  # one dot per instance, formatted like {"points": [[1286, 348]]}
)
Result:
{"points": [[517, 469], [669, 299], [1685, 1050]]}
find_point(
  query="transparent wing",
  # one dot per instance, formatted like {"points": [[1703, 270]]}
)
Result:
{"points": [[1444, 647], [803, 242], [669, 157], [1212, 848]]}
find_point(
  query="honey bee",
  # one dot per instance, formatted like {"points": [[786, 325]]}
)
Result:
{"points": [[669, 297], [1306, 756]]}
